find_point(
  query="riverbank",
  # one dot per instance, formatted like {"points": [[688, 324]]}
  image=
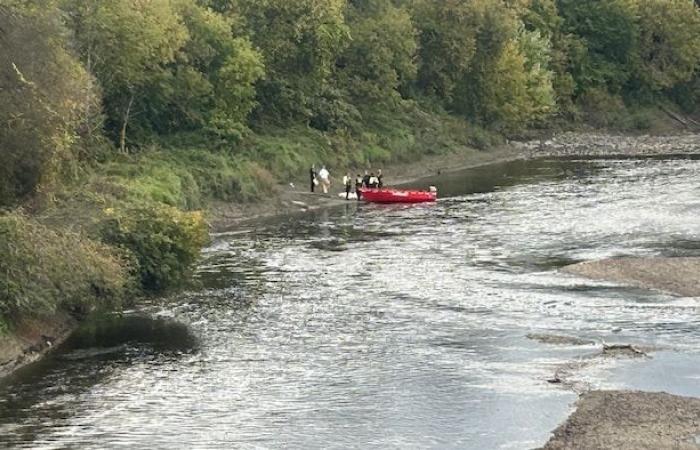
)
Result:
{"points": [[576, 144], [32, 339], [630, 420], [293, 196]]}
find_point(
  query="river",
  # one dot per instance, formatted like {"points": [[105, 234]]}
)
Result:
{"points": [[388, 326]]}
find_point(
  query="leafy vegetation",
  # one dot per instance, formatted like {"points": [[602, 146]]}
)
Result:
{"points": [[165, 241], [43, 270], [120, 119]]}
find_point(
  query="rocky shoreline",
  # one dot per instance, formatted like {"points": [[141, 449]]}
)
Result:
{"points": [[572, 144]]}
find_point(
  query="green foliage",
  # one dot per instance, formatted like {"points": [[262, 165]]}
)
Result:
{"points": [[41, 101], [43, 270], [687, 95], [516, 90], [211, 85], [380, 58], [164, 241], [669, 42], [610, 33], [603, 109], [127, 45], [300, 41], [186, 178], [448, 40]]}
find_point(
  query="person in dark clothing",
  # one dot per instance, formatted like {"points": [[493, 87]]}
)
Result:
{"points": [[347, 181], [365, 179], [312, 175], [358, 186], [380, 179]]}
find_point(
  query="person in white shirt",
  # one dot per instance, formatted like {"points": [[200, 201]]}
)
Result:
{"points": [[325, 177]]}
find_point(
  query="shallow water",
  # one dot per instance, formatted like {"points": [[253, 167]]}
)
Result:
{"points": [[388, 326]]}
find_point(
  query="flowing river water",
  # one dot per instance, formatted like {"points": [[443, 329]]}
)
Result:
{"points": [[388, 326]]}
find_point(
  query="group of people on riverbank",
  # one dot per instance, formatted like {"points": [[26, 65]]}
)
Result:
{"points": [[367, 181]]}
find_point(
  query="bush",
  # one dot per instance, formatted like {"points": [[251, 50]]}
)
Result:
{"points": [[42, 270], [164, 241]]}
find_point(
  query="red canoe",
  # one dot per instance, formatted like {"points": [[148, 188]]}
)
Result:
{"points": [[397, 196]]}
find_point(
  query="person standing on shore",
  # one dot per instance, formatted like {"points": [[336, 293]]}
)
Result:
{"points": [[312, 175], [358, 186], [380, 179], [347, 182], [325, 177]]}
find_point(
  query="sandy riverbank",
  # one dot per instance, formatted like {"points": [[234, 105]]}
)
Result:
{"points": [[680, 276]]}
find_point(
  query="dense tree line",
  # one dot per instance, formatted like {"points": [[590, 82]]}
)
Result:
{"points": [[74, 72]]}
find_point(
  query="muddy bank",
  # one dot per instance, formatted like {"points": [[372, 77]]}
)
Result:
{"points": [[630, 420], [674, 275], [31, 339]]}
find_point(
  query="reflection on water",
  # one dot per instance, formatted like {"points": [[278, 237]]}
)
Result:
{"points": [[46, 395], [387, 326]]}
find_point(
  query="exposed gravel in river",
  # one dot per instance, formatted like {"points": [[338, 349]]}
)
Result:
{"points": [[630, 421], [680, 276]]}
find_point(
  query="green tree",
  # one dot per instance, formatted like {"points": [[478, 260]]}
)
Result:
{"points": [[211, 83], [567, 50], [610, 33], [381, 57], [448, 39], [515, 89], [127, 45], [300, 41]]}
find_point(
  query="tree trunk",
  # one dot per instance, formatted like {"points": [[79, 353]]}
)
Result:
{"points": [[125, 122], [88, 94]]}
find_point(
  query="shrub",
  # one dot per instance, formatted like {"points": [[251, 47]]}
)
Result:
{"points": [[164, 241], [43, 270]]}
